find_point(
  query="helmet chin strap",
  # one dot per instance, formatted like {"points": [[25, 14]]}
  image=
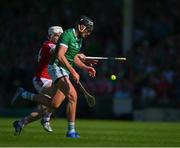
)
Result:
{"points": [[81, 30]]}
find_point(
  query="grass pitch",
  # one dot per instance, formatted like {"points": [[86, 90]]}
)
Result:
{"points": [[93, 133]]}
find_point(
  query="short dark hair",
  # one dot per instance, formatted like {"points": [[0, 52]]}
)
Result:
{"points": [[86, 21]]}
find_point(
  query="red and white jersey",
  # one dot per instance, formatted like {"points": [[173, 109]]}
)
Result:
{"points": [[44, 56]]}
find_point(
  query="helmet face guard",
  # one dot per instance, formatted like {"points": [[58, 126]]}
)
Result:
{"points": [[87, 22]]}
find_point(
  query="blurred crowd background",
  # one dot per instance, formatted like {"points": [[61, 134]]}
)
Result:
{"points": [[150, 78]]}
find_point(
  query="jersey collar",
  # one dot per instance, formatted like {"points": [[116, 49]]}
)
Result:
{"points": [[75, 35]]}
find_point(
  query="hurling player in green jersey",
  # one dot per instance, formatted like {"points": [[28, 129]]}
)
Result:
{"points": [[61, 66]]}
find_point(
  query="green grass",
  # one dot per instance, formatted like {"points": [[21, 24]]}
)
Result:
{"points": [[93, 133]]}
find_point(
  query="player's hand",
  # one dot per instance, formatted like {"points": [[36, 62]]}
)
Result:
{"points": [[91, 71], [75, 76], [82, 57], [91, 62]]}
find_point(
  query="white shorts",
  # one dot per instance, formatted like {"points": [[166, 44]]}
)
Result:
{"points": [[41, 83], [57, 72]]}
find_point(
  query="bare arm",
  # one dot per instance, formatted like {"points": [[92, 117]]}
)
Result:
{"points": [[78, 60], [62, 59]]}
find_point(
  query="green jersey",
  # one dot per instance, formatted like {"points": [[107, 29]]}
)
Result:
{"points": [[68, 39]]}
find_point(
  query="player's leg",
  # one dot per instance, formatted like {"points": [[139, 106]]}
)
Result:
{"points": [[54, 103], [65, 86], [42, 99], [43, 86], [19, 124], [56, 73], [61, 78], [57, 95], [45, 118], [42, 112], [57, 98], [39, 98]]}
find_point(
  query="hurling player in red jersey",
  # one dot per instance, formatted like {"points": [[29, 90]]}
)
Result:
{"points": [[42, 81]]}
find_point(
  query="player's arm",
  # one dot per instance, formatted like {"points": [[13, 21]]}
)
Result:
{"points": [[89, 62], [62, 59], [78, 60]]}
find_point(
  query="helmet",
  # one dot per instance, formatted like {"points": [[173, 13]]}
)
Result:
{"points": [[86, 21], [54, 29]]}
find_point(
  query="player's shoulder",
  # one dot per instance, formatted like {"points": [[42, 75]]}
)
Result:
{"points": [[68, 32], [48, 44]]}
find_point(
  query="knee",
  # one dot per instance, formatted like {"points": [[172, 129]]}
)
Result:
{"points": [[72, 96]]}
